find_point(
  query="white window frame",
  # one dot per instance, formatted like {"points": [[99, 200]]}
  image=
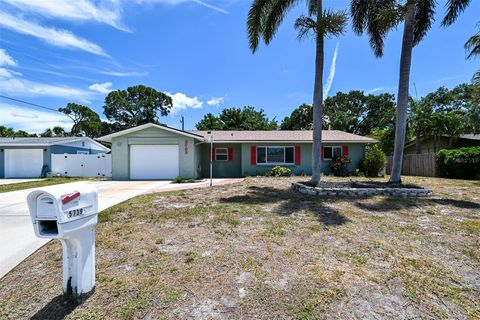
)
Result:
{"points": [[341, 152], [221, 153], [266, 163]]}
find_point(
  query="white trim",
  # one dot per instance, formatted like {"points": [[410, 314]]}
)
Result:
{"points": [[108, 138], [226, 154], [274, 163], [341, 151], [55, 143]]}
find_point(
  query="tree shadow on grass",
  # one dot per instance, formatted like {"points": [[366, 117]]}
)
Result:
{"points": [[59, 307], [395, 203], [291, 202]]}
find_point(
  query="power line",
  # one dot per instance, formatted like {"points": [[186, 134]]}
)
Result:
{"points": [[29, 103]]}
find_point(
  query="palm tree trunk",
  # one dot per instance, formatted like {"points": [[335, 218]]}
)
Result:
{"points": [[404, 82], [318, 101]]}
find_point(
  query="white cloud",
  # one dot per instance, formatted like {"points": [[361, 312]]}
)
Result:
{"points": [[21, 87], [199, 2], [331, 74], [101, 87], [215, 101], [56, 37], [6, 73], [6, 59], [181, 102], [32, 120], [124, 74], [108, 12]]}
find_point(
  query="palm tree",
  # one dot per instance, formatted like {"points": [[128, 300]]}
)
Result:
{"points": [[473, 48], [377, 18], [264, 19]]}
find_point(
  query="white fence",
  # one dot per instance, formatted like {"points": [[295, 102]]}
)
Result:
{"points": [[82, 165]]}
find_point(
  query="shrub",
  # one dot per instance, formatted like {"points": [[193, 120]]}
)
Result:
{"points": [[339, 166], [374, 160], [179, 179], [279, 171], [463, 163]]}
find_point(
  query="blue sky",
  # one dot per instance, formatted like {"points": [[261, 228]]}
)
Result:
{"points": [[57, 51]]}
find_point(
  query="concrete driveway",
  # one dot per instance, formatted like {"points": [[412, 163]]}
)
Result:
{"points": [[17, 238]]}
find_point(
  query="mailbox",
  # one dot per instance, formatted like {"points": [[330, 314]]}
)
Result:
{"points": [[69, 213]]}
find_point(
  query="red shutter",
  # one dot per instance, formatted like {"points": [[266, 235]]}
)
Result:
{"points": [[345, 151], [230, 154], [213, 154], [298, 159], [322, 147], [253, 155]]}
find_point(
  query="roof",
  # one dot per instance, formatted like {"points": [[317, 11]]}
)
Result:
{"points": [[470, 136], [283, 136], [109, 137], [44, 141]]}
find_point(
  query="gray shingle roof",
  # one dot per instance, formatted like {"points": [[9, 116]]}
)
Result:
{"points": [[284, 135]]}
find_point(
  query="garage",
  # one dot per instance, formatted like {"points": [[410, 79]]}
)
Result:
{"points": [[154, 162], [23, 163]]}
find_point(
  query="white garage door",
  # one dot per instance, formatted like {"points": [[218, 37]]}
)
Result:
{"points": [[23, 163], [153, 162]]}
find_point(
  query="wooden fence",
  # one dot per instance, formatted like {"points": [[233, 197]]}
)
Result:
{"points": [[416, 165]]}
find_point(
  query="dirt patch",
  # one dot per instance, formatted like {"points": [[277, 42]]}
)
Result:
{"points": [[258, 250]]}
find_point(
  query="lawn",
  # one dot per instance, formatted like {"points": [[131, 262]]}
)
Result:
{"points": [[39, 183], [258, 250]]}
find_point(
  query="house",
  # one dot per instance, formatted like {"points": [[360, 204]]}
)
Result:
{"points": [[26, 157], [152, 151], [429, 144]]}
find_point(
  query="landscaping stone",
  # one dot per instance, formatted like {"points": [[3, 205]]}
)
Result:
{"points": [[361, 192]]}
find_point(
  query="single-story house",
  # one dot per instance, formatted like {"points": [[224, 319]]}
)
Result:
{"points": [[152, 151], [26, 157], [429, 144]]}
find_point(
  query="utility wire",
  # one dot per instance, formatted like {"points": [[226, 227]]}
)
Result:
{"points": [[29, 103]]}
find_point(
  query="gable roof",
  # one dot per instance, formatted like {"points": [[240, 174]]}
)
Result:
{"points": [[44, 141], [331, 136], [109, 137]]}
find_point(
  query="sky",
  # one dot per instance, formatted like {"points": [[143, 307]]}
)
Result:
{"points": [[57, 51]]}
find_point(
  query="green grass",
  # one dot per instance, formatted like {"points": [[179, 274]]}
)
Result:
{"points": [[38, 183]]}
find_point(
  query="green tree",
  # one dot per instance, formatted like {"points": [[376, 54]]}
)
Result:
{"points": [[377, 18], [135, 106], [246, 118], [47, 133], [300, 119], [473, 48], [85, 121], [6, 132], [264, 19]]}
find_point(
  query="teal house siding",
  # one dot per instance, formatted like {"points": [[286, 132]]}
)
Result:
{"points": [[151, 136], [222, 169]]}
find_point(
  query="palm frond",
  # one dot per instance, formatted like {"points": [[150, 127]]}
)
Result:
{"points": [[454, 8], [424, 18], [277, 12], [476, 78], [256, 22], [305, 26], [312, 7], [332, 23], [359, 9], [473, 46]]}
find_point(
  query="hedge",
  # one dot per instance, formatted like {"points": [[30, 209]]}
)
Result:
{"points": [[463, 163]]}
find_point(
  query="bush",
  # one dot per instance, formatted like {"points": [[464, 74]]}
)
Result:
{"points": [[374, 160], [339, 166], [279, 171], [463, 163], [178, 179]]}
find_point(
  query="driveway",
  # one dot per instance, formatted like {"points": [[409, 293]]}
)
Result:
{"points": [[17, 238]]}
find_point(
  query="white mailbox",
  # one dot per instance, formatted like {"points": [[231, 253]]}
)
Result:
{"points": [[69, 213]]}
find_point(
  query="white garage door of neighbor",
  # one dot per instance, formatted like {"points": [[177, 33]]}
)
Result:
{"points": [[148, 162], [23, 163]]}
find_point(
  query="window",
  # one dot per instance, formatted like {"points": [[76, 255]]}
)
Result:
{"points": [[82, 152], [332, 152], [221, 154], [275, 155]]}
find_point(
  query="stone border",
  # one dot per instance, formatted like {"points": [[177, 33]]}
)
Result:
{"points": [[361, 192]]}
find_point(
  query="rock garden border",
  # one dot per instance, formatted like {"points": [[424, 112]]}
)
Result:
{"points": [[361, 192]]}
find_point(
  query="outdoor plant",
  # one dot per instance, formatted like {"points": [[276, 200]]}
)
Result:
{"points": [[279, 171], [339, 166], [374, 160], [179, 179], [463, 163]]}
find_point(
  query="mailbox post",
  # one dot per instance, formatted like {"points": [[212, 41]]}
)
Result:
{"points": [[70, 215]]}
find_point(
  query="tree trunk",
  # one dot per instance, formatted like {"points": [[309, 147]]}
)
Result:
{"points": [[402, 98], [418, 145], [318, 101]]}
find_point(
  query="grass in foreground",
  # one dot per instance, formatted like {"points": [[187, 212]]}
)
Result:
{"points": [[39, 183], [258, 250]]}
